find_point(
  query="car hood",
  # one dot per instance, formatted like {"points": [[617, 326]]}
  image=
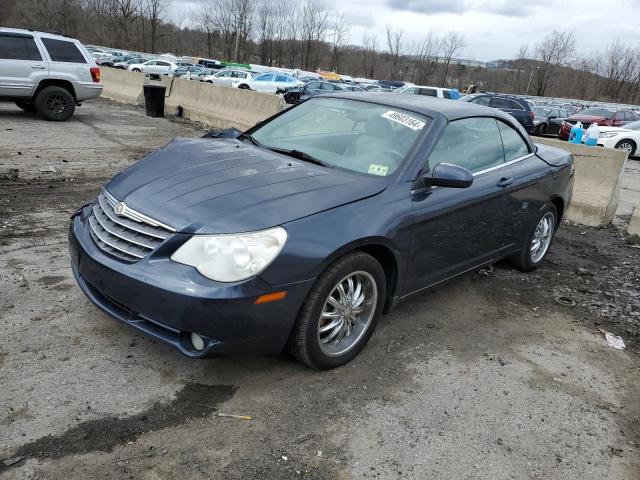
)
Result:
{"points": [[585, 118], [229, 186]]}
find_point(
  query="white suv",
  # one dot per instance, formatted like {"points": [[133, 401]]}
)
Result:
{"points": [[46, 73]]}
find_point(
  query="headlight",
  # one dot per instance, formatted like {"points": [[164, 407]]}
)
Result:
{"points": [[231, 258], [607, 134], [536, 122]]}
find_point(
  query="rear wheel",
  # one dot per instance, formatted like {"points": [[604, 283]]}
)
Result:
{"points": [[243, 86], [55, 103], [136, 70], [340, 313], [626, 145], [538, 241], [26, 106]]}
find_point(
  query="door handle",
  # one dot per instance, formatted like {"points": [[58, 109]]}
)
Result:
{"points": [[504, 182], [38, 67]]}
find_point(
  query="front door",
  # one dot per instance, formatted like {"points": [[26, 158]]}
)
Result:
{"points": [[457, 229], [21, 65]]}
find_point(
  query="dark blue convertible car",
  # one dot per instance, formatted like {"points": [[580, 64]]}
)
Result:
{"points": [[301, 232]]}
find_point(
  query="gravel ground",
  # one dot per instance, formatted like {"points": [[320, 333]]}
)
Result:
{"points": [[495, 375]]}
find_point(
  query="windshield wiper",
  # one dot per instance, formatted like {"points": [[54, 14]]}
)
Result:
{"points": [[247, 136], [301, 156]]}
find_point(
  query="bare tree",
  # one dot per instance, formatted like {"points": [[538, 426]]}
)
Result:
{"points": [[553, 52], [315, 23], [426, 58], [451, 44], [394, 44], [339, 31], [369, 55], [154, 11]]}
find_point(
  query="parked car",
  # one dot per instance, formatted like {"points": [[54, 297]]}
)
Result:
{"points": [[46, 73], [516, 107], [269, 83], [299, 233], [156, 67], [626, 138], [602, 116], [311, 89], [124, 64], [352, 88], [548, 120], [226, 78], [193, 72], [424, 90]]}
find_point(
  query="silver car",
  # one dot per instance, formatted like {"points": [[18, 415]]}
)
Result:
{"points": [[46, 73], [225, 78]]}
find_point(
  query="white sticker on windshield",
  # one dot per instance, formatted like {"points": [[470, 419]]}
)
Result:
{"points": [[402, 119], [378, 169]]}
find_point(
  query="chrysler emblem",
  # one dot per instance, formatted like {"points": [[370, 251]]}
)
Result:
{"points": [[119, 208]]}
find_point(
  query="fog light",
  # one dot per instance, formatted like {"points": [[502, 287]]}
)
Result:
{"points": [[197, 341]]}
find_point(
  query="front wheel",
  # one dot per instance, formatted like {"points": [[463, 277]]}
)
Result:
{"points": [[244, 86], [538, 241], [340, 313], [626, 145]]}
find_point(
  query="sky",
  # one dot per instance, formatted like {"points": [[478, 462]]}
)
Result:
{"points": [[493, 29]]}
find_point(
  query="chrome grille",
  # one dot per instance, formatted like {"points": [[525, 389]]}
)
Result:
{"points": [[129, 236]]}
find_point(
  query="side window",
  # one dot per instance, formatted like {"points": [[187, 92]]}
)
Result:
{"points": [[483, 100], [13, 47], [515, 105], [446, 93], [472, 143], [63, 51], [265, 78], [163, 64], [329, 86], [429, 92], [152, 62], [498, 102], [281, 78], [514, 145], [411, 90], [314, 85]]}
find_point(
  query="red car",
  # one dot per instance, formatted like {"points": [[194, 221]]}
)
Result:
{"points": [[603, 116]]}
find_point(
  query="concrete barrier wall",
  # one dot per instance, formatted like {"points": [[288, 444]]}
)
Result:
{"points": [[597, 182], [121, 85], [218, 107], [221, 107]]}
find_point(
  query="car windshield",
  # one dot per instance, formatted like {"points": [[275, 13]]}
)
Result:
{"points": [[353, 135], [540, 112], [597, 112]]}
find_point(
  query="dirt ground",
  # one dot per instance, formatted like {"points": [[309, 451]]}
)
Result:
{"points": [[495, 375]]}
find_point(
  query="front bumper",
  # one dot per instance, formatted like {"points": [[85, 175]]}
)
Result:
{"points": [[167, 301]]}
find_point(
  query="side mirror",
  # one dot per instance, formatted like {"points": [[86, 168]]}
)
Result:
{"points": [[448, 175]]}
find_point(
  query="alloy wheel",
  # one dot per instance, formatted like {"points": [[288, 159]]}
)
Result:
{"points": [[542, 237], [56, 104], [347, 313], [625, 146]]}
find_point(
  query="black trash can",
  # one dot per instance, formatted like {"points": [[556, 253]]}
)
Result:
{"points": [[154, 100]]}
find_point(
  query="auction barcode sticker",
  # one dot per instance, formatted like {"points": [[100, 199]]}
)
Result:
{"points": [[402, 119]]}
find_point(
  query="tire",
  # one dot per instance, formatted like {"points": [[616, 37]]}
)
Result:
{"points": [[306, 341], [244, 86], [292, 98], [627, 145], [526, 260], [26, 106], [136, 70], [542, 129], [55, 104]]}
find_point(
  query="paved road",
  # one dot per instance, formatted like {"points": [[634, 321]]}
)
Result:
{"points": [[486, 377]]}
